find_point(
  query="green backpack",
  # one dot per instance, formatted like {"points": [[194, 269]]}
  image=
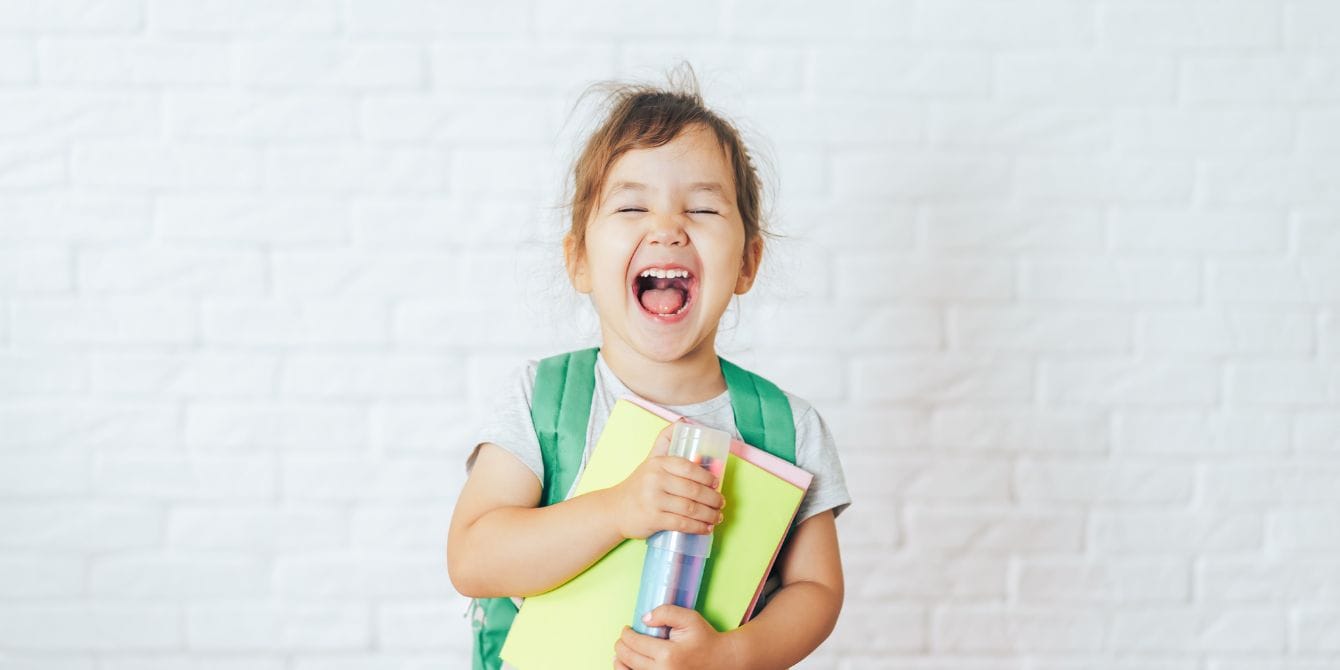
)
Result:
{"points": [[560, 411]]}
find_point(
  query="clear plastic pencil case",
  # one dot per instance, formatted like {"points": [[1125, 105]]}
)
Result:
{"points": [[673, 569]]}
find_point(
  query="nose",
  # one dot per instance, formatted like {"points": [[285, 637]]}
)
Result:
{"points": [[668, 230]]}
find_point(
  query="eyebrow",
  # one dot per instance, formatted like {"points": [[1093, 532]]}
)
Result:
{"points": [[709, 186]]}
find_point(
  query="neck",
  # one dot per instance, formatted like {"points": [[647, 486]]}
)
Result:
{"points": [[693, 378]]}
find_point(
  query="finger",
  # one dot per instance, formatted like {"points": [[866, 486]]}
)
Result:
{"points": [[651, 648], [683, 467], [674, 616], [662, 444], [703, 495], [625, 657], [683, 524], [690, 509]]}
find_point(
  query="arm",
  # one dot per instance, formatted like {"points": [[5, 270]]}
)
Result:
{"points": [[802, 613], [501, 544]]}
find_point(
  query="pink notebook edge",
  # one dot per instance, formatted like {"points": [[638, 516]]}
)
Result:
{"points": [[777, 466]]}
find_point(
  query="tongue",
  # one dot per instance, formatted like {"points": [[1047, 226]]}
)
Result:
{"points": [[663, 300]]}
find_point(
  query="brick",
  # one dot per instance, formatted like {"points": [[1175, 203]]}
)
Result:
{"points": [[1260, 77], [177, 576], [336, 575], [1248, 579], [1036, 229], [371, 375], [923, 74], [256, 425], [1118, 531], [101, 425], [728, 73], [610, 19], [418, 527], [325, 273], [1085, 180], [840, 328], [883, 628], [42, 373], [1240, 24], [355, 478], [1284, 382], [462, 121], [1174, 231], [247, 625], [974, 23], [127, 62], [1319, 233], [1306, 281], [1298, 530], [192, 662], [1014, 430], [35, 270], [879, 430], [413, 626], [1103, 483], [1169, 382], [172, 272], [1112, 280], [91, 626], [1271, 484], [840, 227], [885, 576], [1014, 329], [422, 322], [1084, 79], [260, 116], [929, 178], [317, 17], [199, 374], [152, 165], [422, 426], [356, 169], [884, 278], [1019, 128], [71, 215], [1233, 331], [388, 222], [840, 124], [940, 379], [1183, 630], [293, 64], [994, 532], [499, 172], [41, 575], [309, 323], [1269, 180], [845, 21], [992, 628], [76, 16], [423, 17], [53, 473], [256, 528], [33, 163], [1196, 133], [153, 476], [1305, 25], [18, 61], [271, 220], [78, 114], [1318, 631], [1172, 432], [58, 526], [1317, 432], [511, 66], [1128, 580]]}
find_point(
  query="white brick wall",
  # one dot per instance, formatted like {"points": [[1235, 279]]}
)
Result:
{"points": [[1063, 276]]}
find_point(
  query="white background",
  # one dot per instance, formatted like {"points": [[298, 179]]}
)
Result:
{"points": [[1063, 276]]}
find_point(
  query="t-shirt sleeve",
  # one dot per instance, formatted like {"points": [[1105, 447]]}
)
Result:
{"points": [[816, 453], [506, 421]]}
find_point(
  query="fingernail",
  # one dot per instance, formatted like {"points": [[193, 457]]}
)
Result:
{"points": [[721, 517], [646, 618]]}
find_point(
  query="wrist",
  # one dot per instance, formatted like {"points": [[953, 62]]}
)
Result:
{"points": [[735, 649]]}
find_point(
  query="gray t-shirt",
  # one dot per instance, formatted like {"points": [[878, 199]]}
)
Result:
{"points": [[508, 425]]}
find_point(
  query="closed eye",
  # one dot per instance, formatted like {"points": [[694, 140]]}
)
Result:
{"points": [[703, 211], [630, 209]]}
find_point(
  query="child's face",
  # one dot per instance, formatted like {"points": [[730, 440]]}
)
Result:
{"points": [[671, 207]]}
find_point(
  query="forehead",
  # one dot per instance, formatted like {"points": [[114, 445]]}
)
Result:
{"points": [[694, 159]]}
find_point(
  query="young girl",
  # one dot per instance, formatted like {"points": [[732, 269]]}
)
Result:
{"points": [[665, 229]]}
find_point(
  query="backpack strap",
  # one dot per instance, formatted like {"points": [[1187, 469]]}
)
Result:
{"points": [[762, 412], [560, 409]]}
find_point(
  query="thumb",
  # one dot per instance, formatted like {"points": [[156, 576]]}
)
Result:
{"points": [[672, 616], [662, 446]]}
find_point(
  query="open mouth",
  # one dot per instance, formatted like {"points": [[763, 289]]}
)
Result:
{"points": [[665, 293]]}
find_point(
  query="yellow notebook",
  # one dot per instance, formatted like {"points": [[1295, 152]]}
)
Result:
{"points": [[574, 626]]}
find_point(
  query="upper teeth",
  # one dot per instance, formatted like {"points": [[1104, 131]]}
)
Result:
{"points": [[665, 274]]}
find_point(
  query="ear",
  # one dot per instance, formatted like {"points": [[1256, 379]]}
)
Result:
{"points": [[574, 259], [753, 258]]}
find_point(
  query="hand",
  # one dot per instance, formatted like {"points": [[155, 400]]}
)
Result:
{"points": [[666, 493], [694, 644]]}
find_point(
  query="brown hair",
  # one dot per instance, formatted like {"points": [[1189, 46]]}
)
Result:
{"points": [[642, 116]]}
